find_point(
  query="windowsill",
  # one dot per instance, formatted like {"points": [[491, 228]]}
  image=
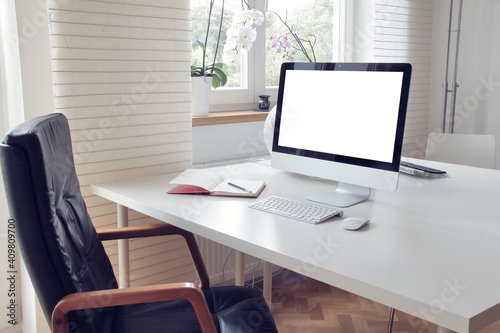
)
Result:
{"points": [[229, 117]]}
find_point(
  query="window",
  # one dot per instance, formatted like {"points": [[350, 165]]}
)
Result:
{"points": [[312, 21], [299, 31]]}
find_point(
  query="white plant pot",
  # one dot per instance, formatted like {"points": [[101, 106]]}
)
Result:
{"points": [[201, 88]]}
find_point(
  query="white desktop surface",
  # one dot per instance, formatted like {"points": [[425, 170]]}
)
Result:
{"points": [[431, 248]]}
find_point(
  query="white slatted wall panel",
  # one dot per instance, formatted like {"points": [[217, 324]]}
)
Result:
{"points": [[122, 77], [403, 34]]}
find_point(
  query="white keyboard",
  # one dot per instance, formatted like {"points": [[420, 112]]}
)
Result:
{"points": [[298, 210]]}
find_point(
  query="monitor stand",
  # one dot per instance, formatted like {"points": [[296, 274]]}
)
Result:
{"points": [[344, 196]]}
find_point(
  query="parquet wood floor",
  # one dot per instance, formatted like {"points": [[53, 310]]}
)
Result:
{"points": [[303, 305]]}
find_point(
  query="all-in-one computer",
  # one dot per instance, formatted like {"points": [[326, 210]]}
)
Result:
{"points": [[343, 122]]}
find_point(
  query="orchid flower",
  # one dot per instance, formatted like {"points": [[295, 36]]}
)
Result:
{"points": [[274, 40], [290, 42], [246, 34], [230, 56], [241, 35], [287, 43], [283, 45], [254, 16]]}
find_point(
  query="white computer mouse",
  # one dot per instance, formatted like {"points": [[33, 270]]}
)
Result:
{"points": [[354, 223]]}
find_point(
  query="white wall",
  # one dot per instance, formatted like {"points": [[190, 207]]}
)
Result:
{"points": [[227, 142], [479, 68], [478, 98], [36, 68]]}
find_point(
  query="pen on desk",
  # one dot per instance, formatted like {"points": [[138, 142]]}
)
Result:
{"points": [[239, 187]]}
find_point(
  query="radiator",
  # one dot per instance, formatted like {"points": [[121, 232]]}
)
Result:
{"points": [[220, 261]]}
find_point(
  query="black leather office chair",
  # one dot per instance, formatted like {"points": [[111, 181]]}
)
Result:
{"points": [[69, 268]]}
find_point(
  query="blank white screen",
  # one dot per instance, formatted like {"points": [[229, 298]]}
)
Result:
{"points": [[346, 113]]}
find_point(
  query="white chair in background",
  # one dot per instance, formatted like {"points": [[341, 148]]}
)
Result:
{"points": [[467, 149]]}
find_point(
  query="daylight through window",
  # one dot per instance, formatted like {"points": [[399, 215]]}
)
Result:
{"points": [[293, 30]]}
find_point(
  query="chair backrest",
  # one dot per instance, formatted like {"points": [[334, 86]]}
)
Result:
{"points": [[55, 235], [467, 149]]}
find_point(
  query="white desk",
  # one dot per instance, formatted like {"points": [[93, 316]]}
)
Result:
{"points": [[431, 249]]}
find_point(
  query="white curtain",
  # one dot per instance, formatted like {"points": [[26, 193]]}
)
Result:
{"points": [[11, 113]]}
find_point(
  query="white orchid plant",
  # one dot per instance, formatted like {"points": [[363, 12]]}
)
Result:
{"points": [[240, 37]]}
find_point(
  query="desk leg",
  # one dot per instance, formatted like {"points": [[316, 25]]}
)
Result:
{"points": [[268, 282], [268, 276], [240, 269], [444, 330], [123, 249]]}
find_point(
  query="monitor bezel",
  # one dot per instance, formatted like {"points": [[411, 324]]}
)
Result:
{"points": [[393, 166]]}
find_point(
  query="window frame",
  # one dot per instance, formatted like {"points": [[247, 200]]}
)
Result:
{"points": [[232, 99]]}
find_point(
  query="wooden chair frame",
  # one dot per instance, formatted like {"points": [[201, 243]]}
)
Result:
{"points": [[135, 295]]}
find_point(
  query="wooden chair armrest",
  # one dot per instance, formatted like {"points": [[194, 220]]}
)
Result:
{"points": [[161, 229], [136, 295]]}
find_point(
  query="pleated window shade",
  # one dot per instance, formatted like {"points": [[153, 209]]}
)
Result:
{"points": [[121, 72], [403, 34]]}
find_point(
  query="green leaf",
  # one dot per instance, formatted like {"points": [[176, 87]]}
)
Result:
{"points": [[218, 65], [201, 45], [222, 77], [196, 71], [219, 77], [215, 82]]}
